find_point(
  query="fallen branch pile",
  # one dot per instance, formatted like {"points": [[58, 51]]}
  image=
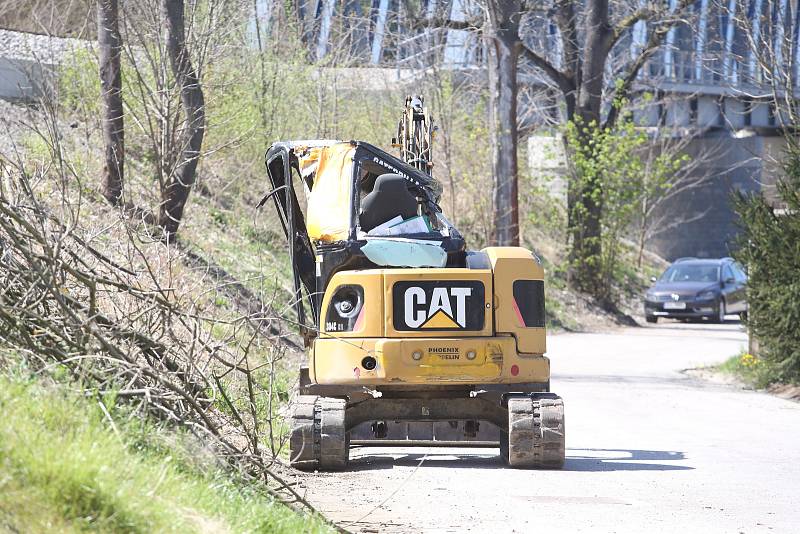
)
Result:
{"points": [[111, 316]]}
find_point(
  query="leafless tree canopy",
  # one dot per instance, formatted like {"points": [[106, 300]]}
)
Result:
{"points": [[768, 55]]}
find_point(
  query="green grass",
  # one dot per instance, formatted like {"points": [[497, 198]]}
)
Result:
{"points": [[753, 371], [250, 250], [63, 468]]}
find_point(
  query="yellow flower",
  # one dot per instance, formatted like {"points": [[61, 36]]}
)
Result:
{"points": [[748, 360]]}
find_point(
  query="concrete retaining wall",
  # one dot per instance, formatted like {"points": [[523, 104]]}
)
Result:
{"points": [[22, 79], [28, 62], [700, 221]]}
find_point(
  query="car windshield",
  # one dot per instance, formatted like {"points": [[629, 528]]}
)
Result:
{"points": [[691, 273]]}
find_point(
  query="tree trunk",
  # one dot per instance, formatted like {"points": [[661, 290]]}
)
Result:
{"points": [[585, 214], [587, 195], [176, 192], [110, 45], [504, 47]]}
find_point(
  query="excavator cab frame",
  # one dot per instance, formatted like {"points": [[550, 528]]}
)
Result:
{"points": [[301, 253], [315, 261]]}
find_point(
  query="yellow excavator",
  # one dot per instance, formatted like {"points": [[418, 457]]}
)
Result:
{"points": [[412, 339]]}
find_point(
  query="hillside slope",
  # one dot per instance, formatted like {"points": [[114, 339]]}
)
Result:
{"points": [[76, 464]]}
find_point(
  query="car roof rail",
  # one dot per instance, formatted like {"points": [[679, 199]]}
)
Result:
{"points": [[688, 258]]}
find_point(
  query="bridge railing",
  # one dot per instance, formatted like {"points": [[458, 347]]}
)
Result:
{"points": [[458, 49], [718, 69], [442, 47]]}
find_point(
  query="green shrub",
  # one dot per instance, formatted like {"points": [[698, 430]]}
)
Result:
{"points": [[770, 247], [612, 167], [79, 83]]}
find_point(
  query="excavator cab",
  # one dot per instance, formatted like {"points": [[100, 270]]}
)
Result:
{"points": [[349, 190], [411, 338]]}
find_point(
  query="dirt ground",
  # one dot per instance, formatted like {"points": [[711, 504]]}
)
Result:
{"points": [[649, 449]]}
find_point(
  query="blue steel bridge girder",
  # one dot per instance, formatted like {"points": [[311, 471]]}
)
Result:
{"points": [[317, 20], [712, 53]]}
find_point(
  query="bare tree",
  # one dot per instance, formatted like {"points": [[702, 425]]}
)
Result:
{"points": [[670, 173], [109, 45], [504, 44], [176, 192], [167, 45], [772, 61], [589, 32]]}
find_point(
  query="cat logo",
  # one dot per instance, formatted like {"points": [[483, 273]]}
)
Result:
{"points": [[441, 305]]}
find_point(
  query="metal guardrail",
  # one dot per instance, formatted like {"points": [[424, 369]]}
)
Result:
{"points": [[705, 69]]}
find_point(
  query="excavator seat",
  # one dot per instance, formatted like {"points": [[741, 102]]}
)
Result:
{"points": [[389, 198]]}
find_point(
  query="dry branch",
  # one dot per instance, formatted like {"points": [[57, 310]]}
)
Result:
{"points": [[113, 325]]}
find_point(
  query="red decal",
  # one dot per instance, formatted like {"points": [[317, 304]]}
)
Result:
{"points": [[359, 320], [514, 370], [519, 315]]}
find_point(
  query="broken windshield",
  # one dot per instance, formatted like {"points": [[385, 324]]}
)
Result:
{"points": [[355, 190]]}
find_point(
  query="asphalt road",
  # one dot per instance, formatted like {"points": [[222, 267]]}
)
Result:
{"points": [[649, 449]]}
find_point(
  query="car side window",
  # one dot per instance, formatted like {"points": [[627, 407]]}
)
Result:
{"points": [[727, 273], [739, 273]]}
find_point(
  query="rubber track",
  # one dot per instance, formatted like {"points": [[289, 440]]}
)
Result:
{"points": [[536, 431], [318, 439]]}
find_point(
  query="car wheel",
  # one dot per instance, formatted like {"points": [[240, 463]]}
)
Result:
{"points": [[721, 312], [651, 318]]}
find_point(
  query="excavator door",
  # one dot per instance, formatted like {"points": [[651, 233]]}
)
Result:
{"points": [[285, 178]]}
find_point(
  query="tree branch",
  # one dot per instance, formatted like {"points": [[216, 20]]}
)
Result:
{"points": [[654, 42], [444, 23], [628, 22], [561, 79]]}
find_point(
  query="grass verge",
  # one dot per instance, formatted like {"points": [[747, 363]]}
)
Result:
{"points": [[751, 370], [64, 468]]}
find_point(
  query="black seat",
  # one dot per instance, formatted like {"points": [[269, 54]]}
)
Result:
{"points": [[389, 198]]}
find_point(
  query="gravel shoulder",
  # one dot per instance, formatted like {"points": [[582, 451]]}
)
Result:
{"points": [[649, 448]]}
